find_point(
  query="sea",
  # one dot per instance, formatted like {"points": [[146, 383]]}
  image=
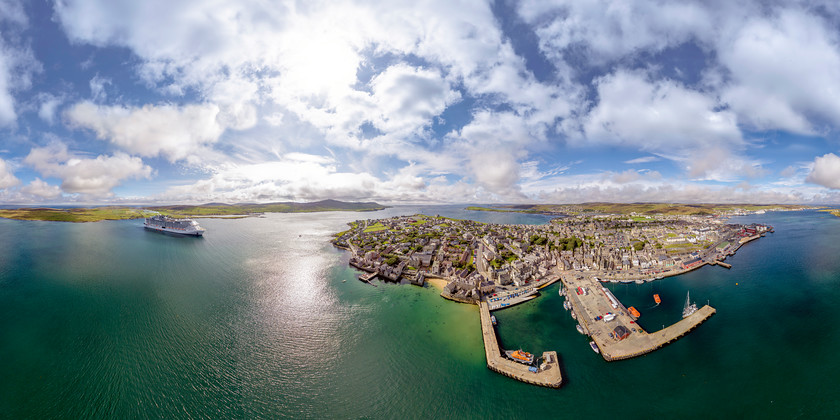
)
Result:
{"points": [[263, 318]]}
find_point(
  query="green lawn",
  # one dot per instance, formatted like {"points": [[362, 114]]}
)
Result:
{"points": [[375, 228]]}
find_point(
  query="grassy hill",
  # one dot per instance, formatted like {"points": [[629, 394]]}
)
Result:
{"points": [[212, 209]]}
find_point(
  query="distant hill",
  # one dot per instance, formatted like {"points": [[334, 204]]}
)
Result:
{"points": [[281, 207], [211, 209], [637, 208]]}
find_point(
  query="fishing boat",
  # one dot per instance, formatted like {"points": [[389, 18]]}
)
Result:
{"points": [[594, 347], [493, 319], [567, 305], [689, 307], [520, 356], [580, 329], [657, 299]]}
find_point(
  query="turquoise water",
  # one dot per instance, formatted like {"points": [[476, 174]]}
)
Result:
{"points": [[262, 318]]}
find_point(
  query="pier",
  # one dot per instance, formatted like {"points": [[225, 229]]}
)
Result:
{"points": [[547, 374], [638, 341]]}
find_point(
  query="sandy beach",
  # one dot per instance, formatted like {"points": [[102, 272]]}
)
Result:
{"points": [[438, 283]]}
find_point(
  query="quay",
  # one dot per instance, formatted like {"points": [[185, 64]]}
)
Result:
{"points": [[547, 374], [636, 340], [368, 277]]}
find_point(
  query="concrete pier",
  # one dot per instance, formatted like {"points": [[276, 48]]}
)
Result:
{"points": [[639, 341], [548, 374]]}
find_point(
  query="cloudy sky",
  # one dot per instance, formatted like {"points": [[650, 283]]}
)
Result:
{"points": [[419, 101]]}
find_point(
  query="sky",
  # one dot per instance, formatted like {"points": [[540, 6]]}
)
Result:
{"points": [[450, 101]]}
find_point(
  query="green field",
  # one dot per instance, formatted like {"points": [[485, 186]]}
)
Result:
{"points": [[95, 214], [375, 228]]}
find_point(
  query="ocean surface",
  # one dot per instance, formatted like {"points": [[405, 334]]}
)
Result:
{"points": [[262, 318]]}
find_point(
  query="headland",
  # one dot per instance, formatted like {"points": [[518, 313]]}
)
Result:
{"points": [[499, 266]]}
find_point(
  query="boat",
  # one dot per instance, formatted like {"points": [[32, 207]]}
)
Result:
{"points": [[689, 308], [567, 305], [163, 223], [657, 299], [580, 329], [520, 356], [640, 281], [609, 317], [633, 311], [594, 347], [493, 319]]}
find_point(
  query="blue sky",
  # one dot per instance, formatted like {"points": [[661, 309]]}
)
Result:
{"points": [[106, 101]]}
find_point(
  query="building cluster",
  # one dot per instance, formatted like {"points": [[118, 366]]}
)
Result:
{"points": [[479, 258]]}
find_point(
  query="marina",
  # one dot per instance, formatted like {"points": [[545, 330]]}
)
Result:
{"points": [[616, 333]]}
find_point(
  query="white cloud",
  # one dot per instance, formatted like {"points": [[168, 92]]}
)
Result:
{"points": [[17, 63], [165, 130], [49, 105], [42, 189], [97, 88], [661, 116], [94, 177], [826, 171], [611, 29], [644, 159], [785, 71], [7, 178]]}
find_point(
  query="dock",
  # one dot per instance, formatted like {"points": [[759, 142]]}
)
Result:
{"points": [[368, 277], [548, 374], [639, 341]]}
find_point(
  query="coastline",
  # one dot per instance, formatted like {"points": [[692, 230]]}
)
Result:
{"points": [[438, 283]]}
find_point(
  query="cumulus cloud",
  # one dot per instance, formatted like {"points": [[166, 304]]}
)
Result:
{"points": [[49, 105], [7, 178], [42, 189], [785, 71], [826, 171], [17, 62], [660, 115], [166, 130], [90, 176]]}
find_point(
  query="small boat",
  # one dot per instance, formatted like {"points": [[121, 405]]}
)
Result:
{"points": [[633, 311], [594, 347], [657, 299], [567, 305], [493, 319], [640, 281], [580, 329], [609, 317], [689, 307], [520, 356]]}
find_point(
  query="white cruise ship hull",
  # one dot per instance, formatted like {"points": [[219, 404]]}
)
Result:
{"points": [[190, 232]]}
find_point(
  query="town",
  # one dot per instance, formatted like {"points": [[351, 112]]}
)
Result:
{"points": [[498, 266]]}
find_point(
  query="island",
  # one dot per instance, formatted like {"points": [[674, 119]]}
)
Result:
{"points": [[95, 214], [498, 266], [642, 209]]}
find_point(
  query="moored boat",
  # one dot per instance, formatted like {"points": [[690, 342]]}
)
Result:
{"points": [[580, 329], [689, 307], [493, 319], [520, 356], [594, 347]]}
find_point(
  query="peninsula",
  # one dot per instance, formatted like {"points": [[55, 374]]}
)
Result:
{"points": [[498, 266], [672, 209], [94, 214]]}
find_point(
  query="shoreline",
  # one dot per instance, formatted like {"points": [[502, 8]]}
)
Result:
{"points": [[437, 283]]}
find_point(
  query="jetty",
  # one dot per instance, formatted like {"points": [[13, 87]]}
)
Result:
{"points": [[620, 337], [368, 277], [547, 374]]}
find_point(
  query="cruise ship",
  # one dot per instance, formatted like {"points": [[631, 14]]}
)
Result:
{"points": [[168, 224]]}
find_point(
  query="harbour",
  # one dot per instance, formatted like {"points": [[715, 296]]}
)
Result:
{"points": [[254, 321]]}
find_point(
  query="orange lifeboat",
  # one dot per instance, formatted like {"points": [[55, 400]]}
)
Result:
{"points": [[656, 299], [634, 312]]}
